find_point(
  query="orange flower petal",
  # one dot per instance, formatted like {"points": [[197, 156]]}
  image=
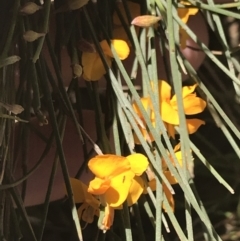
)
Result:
{"points": [[152, 184], [93, 68], [193, 105], [106, 48], [88, 214], [108, 165], [80, 210], [185, 13], [183, 38], [99, 186], [164, 90], [79, 190], [135, 190], [108, 218], [169, 197], [138, 162], [170, 130], [119, 189], [172, 180], [147, 105], [168, 114], [193, 125], [186, 90]]}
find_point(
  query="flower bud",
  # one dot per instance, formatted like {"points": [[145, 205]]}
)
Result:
{"points": [[31, 36], [9, 60], [30, 8], [145, 20], [77, 70]]}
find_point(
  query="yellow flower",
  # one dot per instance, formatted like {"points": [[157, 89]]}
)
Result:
{"points": [[89, 204], [135, 191], [114, 177], [172, 180], [169, 111], [184, 14], [93, 68]]}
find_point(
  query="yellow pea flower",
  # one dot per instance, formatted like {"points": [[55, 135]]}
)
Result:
{"points": [[93, 68], [172, 180], [169, 111], [114, 176], [184, 14]]}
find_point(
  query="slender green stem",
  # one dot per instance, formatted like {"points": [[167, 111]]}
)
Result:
{"points": [[148, 211], [99, 120], [115, 130], [174, 221], [2, 212], [62, 88], [51, 180], [46, 15], [127, 224], [214, 9], [194, 75], [11, 30], [18, 201], [47, 95], [211, 168]]}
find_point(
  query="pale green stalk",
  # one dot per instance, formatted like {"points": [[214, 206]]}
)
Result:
{"points": [[220, 30], [202, 45], [127, 224], [225, 131], [214, 9], [177, 83], [143, 37], [211, 168], [124, 103], [173, 219], [195, 77], [148, 211]]}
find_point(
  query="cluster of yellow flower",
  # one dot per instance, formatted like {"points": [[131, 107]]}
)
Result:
{"points": [[169, 110], [117, 178]]}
